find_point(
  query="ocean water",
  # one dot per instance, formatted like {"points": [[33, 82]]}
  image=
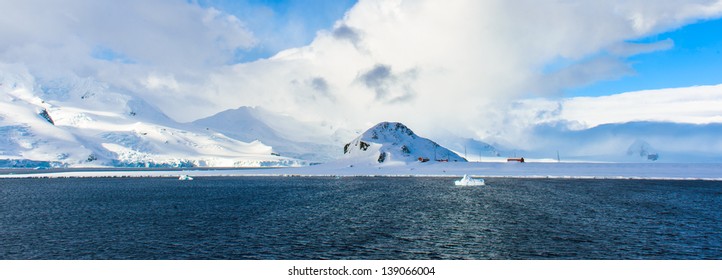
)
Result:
{"points": [[358, 218]]}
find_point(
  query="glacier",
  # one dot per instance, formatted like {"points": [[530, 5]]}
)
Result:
{"points": [[78, 121], [287, 135], [82, 122]]}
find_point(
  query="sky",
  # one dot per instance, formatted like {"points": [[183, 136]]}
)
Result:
{"points": [[280, 24], [483, 69], [693, 58]]}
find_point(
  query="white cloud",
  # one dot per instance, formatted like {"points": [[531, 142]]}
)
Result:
{"points": [[467, 58], [625, 49], [697, 105], [162, 35], [156, 81], [455, 64], [162, 51], [581, 74]]}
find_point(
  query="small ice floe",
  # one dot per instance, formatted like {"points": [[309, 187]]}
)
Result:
{"points": [[468, 181], [185, 177]]}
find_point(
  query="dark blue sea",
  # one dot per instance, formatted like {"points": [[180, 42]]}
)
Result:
{"points": [[358, 218]]}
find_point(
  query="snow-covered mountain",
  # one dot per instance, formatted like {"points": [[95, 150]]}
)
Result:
{"points": [[389, 142], [629, 142], [642, 149], [77, 121], [83, 122], [472, 149], [288, 136]]}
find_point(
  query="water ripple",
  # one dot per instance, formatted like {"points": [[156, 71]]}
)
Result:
{"points": [[358, 218]]}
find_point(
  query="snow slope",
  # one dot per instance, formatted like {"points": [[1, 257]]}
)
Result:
{"points": [[473, 150], [82, 122], [287, 136], [394, 143], [629, 142], [78, 121]]}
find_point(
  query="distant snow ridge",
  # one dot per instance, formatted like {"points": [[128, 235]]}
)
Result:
{"points": [[74, 122], [642, 149], [394, 142], [286, 135], [475, 148]]}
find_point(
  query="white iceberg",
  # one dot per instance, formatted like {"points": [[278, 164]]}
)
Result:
{"points": [[468, 181]]}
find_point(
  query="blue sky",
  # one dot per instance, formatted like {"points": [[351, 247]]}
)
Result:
{"points": [[281, 24], [695, 59], [466, 55], [490, 70]]}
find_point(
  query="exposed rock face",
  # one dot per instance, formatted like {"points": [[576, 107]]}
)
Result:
{"points": [[44, 113]]}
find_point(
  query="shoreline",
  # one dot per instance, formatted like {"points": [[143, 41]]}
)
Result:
{"points": [[604, 171], [366, 176], [10, 171]]}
